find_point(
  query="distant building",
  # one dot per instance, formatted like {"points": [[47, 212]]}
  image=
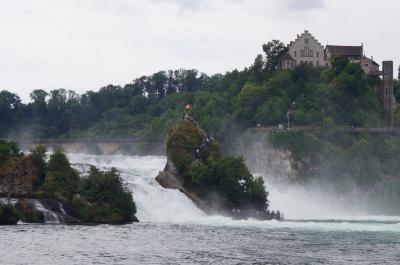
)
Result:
{"points": [[304, 50], [369, 66], [353, 53]]}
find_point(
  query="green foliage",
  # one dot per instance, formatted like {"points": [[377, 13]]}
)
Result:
{"points": [[228, 176], [8, 150], [8, 215], [38, 157], [235, 182], [273, 51], [339, 63], [106, 190], [181, 143], [225, 105], [362, 164], [61, 177], [99, 198]]}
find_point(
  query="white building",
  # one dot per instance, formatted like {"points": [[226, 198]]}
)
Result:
{"points": [[304, 50]]}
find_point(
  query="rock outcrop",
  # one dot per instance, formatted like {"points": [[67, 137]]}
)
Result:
{"points": [[17, 178], [216, 184], [171, 179]]}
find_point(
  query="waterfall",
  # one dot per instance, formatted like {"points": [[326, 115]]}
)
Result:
{"points": [[50, 217], [153, 202]]}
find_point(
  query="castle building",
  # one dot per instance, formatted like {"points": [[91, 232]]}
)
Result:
{"points": [[369, 66], [304, 50], [353, 53]]}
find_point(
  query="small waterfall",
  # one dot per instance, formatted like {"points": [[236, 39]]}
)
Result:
{"points": [[50, 217]]}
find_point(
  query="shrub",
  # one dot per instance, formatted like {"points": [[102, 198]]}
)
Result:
{"points": [[61, 177], [181, 143], [106, 189], [8, 215]]}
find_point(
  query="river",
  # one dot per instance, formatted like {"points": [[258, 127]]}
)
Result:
{"points": [[173, 231]]}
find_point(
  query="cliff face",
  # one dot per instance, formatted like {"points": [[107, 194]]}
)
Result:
{"points": [[17, 178], [171, 179], [275, 164]]}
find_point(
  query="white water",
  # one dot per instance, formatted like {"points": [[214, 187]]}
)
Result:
{"points": [[302, 209], [50, 217], [154, 203]]}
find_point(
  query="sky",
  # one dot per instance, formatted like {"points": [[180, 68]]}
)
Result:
{"points": [[86, 44]]}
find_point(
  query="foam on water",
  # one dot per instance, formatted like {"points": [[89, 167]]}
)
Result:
{"points": [[159, 205]]}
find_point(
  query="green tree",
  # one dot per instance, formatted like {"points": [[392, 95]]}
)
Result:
{"points": [[273, 50], [106, 188], [38, 157], [61, 177]]}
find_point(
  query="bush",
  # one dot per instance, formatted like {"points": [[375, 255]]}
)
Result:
{"points": [[61, 177], [8, 215], [105, 189], [8, 150], [181, 143]]}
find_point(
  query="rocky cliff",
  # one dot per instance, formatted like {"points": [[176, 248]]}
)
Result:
{"points": [[171, 179], [217, 184]]}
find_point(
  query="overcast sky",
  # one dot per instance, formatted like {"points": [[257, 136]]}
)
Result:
{"points": [[86, 44]]}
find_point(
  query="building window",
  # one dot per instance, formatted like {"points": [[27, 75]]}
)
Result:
{"points": [[295, 53], [292, 64], [317, 54], [317, 63], [310, 53], [306, 41], [302, 53]]}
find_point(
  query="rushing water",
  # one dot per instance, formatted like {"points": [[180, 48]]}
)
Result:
{"points": [[174, 231]]}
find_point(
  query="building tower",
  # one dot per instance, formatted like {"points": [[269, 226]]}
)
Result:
{"points": [[398, 75], [387, 89]]}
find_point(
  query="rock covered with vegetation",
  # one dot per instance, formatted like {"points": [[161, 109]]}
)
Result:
{"points": [[216, 183], [99, 197]]}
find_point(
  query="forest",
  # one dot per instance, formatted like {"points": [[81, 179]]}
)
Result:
{"points": [[223, 103]]}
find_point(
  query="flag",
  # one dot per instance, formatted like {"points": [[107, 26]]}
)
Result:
{"points": [[188, 106]]}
